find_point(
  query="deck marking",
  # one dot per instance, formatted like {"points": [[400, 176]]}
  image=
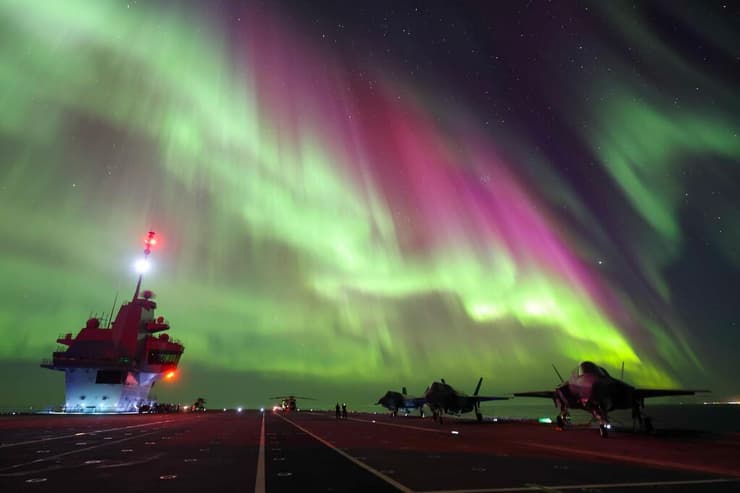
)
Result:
{"points": [[410, 427], [636, 460], [556, 487], [259, 483], [131, 463], [70, 452], [344, 454], [48, 439]]}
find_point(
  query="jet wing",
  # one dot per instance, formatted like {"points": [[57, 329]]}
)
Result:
{"points": [[643, 393], [491, 398], [548, 394]]}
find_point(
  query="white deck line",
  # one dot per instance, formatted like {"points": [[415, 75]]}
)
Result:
{"points": [[410, 427], [70, 452], [344, 454], [643, 461], [83, 433], [559, 487], [259, 483]]}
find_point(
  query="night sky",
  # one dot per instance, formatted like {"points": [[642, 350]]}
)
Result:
{"points": [[355, 196]]}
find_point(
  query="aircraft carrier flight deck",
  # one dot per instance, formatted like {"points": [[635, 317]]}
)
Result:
{"points": [[313, 451]]}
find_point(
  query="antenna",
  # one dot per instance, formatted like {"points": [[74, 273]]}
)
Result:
{"points": [[110, 317], [558, 373], [149, 242], [622, 378]]}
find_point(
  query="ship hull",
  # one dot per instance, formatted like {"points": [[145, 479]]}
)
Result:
{"points": [[95, 390]]}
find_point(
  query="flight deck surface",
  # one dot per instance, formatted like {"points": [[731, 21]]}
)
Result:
{"points": [[306, 451]]}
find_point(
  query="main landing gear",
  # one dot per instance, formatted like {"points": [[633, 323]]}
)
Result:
{"points": [[604, 430], [640, 419], [478, 414]]}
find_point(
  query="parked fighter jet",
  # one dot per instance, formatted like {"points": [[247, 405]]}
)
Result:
{"points": [[395, 401], [592, 389], [442, 398]]}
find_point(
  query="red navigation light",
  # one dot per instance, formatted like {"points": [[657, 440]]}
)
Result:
{"points": [[150, 240], [170, 375]]}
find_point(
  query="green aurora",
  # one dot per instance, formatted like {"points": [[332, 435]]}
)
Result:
{"points": [[322, 228]]}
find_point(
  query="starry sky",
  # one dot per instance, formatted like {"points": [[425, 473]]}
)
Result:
{"points": [[356, 196]]}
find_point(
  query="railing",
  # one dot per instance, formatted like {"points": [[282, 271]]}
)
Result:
{"points": [[71, 361]]}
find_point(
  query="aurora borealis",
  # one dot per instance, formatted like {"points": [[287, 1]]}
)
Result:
{"points": [[365, 196]]}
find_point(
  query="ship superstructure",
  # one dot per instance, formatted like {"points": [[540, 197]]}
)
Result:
{"points": [[112, 369]]}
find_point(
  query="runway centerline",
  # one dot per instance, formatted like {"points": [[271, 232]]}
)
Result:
{"points": [[259, 484]]}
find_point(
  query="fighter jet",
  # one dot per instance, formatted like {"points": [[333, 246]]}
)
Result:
{"points": [[592, 389], [395, 401], [442, 398]]}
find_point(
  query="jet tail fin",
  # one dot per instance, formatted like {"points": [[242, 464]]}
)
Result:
{"points": [[477, 387], [403, 390], [558, 373]]}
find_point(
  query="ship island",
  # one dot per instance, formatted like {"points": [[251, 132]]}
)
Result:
{"points": [[112, 369]]}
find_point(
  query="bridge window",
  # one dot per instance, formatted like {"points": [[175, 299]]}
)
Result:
{"points": [[163, 357]]}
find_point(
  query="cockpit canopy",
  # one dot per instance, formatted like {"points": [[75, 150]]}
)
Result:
{"points": [[589, 368], [440, 387]]}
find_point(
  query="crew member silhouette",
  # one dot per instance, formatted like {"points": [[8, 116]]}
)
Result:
{"points": [[337, 410]]}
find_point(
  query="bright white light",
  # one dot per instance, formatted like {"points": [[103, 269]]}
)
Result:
{"points": [[262, 409], [455, 432], [142, 266], [238, 409], [608, 426]]}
